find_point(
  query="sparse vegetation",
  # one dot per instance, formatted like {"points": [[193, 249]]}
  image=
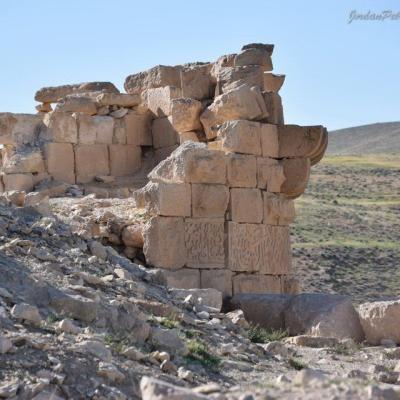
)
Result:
{"points": [[297, 364], [260, 335], [198, 352], [169, 322]]}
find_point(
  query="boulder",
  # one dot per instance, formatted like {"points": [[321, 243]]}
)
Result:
{"points": [[326, 315], [185, 114], [168, 340], [206, 297], [26, 312], [380, 320]]}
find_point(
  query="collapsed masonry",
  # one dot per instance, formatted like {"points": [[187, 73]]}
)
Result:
{"points": [[223, 168]]}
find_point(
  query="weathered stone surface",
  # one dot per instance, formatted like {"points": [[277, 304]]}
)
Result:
{"points": [[196, 81], [246, 205], [132, 235], [164, 134], [264, 310], [220, 279], [81, 103], [278, 210], [185, 114], [193, 163], [254, 56], [159, 100], [297, 173], [240, 136], [273, 82], [95, 129], [258, 247], [269, 140], [90, 161], [205, 242], [312, 341], [124, 159], [19, 129], [270, 174], [164, 242], [55, 93], [118, 99], [274, 107], [158, 76], [262, 46], [60, 161], [323, 315], [168, 199], [138, 128], [26, 312], [30, 160], [188, 136], [256, 283], [380, 320], [209, 201], [243, 102], [184, 278], [290, 285], [241, 170], [168, 340], [62, 127], [163, 153], [203, 297]]}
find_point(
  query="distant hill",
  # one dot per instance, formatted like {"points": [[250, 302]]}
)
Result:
{"points": [[375, 138]]}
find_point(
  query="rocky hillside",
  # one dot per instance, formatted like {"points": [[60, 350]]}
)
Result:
{"points": [[367, 139]]}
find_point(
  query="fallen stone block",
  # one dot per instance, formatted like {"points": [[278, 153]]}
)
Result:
{"points": [[254, 56], [20, 182], [278, 210], [380, 320], [273, 82], [256, 283], [205, 242], [219, 279], [184, 278], [164, 134], [61, 127], [209, 201], [241, 170], [19, 129], [158, 76], [90, 161], [240, 136], [246, 205], [125, 159], [196, 81], [326, 315], [138, 128], [95, 129], [185, 114], [164, 242], [118, 99], [55, 93], [270, 174], [159, 100], [243, 102]]}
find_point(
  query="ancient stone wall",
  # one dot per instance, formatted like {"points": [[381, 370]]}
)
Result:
{"points": [[226, 167]]}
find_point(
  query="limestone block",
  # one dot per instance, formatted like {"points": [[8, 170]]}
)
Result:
{"points": [[316, 156], [164, 134], [185, 114], [23, 162], [62, 127], [297, 173], [273, 103], [138, 128], [270, 174], [159, 100], [60, 161], [95, 129], [290, 285], [184, 278], [254, 56], [168, 199], [132, 235], [263, 46], [55, 93], [188, 136], [300, 141], [125, 159], [80, 103], [91, 160], [158, 76], [18, 182], [240, 136], [209, 201], [118, 99], [259, 248], [256, 283], [193, 163], [205, 242], [278, 209], [119, 134], [269, 140], [164, 242], [196, 81], [241, 170], [246, 205], [243, 102], [273, 82], [19, 129], [220, 279], [163, 153]]}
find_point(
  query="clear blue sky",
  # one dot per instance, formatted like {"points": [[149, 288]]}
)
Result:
{"points": [[338, 74]]}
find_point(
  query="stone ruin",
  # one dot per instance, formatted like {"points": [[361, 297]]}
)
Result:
{"points": [[201, 147]]}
